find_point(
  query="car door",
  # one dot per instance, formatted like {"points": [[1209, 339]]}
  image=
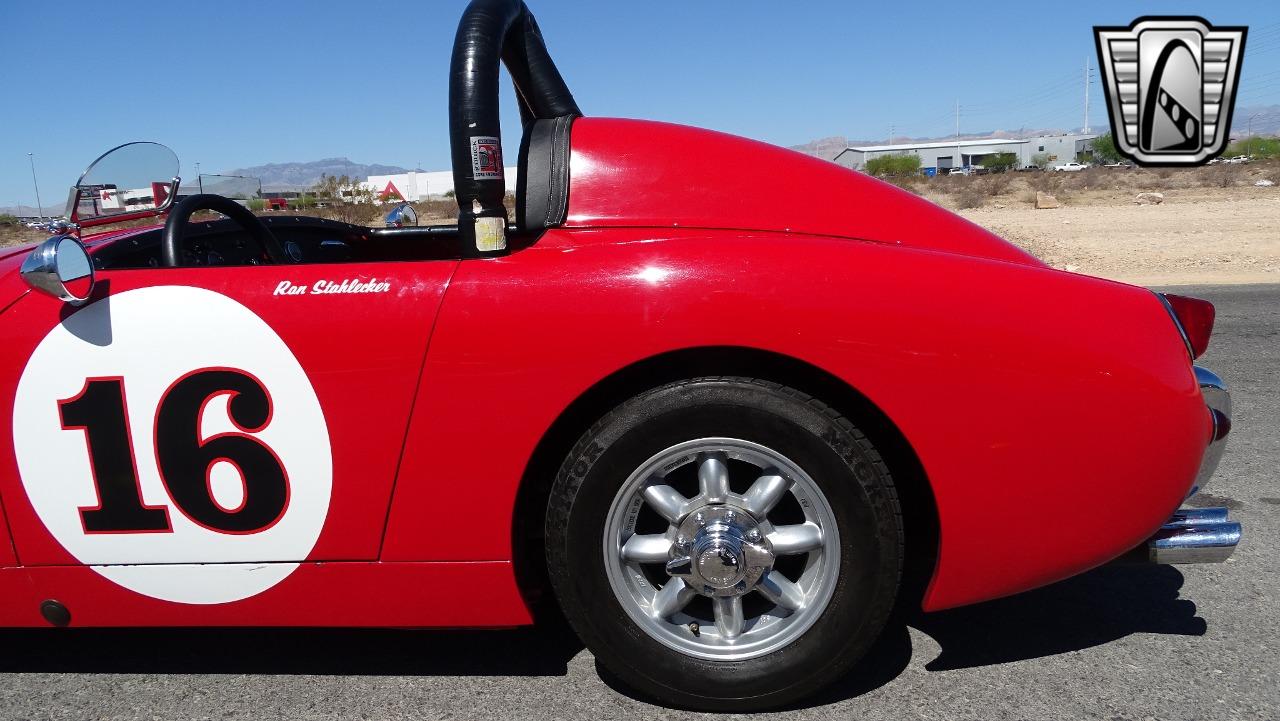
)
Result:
{"points": [[213, 415]]}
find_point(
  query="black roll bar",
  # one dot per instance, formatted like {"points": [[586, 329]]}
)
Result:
{"points": [[491, 31]]}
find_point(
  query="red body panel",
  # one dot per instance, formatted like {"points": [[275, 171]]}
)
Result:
{"points": [[362, 355], [1024, 391], [317, 594], [11, 286]]}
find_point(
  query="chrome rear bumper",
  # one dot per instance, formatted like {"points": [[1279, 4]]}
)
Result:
{"points": [[1218, 399], [1195, 535], [1201, 535]]}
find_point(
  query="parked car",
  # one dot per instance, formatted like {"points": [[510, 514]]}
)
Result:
{"points": [[958, 171], [1238, 160], [726, 425], [1069, 167]]}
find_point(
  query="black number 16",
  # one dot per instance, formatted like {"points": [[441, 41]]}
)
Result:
{"points": [[185, 460]]}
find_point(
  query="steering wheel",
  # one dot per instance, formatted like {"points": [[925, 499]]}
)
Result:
{"points": [[175, 227]]}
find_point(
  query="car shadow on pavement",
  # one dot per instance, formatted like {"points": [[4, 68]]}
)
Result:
{"points": [[1089, 610], [539, 651]]}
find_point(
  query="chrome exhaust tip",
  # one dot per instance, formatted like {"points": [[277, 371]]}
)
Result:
{"points": [[1195, 535]]}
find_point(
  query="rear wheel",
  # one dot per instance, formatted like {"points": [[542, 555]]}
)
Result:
{"points": [[725, 543]]}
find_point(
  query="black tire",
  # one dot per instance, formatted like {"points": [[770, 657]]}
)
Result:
{"points": [[845, 466]]}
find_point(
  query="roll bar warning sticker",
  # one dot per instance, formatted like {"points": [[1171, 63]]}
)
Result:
{"points": [[486, 157]]}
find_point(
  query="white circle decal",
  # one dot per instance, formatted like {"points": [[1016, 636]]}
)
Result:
{"points": [[168, 438]]}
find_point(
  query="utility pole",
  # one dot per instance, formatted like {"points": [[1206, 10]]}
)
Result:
{"points": [[959, 157], [1248, 144], [1086, 94], [199, 182], [39, 205], [890, 136]]}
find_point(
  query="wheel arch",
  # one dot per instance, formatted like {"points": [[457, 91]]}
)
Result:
{"points": [[920, 515]]}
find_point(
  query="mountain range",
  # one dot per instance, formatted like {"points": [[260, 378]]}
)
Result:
{"points": [[296, 176]]}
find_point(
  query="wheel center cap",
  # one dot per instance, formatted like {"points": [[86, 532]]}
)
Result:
{"points": [[719, 565], [720, 551]]}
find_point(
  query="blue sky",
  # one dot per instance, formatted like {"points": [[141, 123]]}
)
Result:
{"points": [[230, 84]]}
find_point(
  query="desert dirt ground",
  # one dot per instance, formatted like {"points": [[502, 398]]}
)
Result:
{"points": [[1196, 236]]}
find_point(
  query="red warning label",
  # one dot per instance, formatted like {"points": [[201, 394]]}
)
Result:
{"points": [[486, 158]]}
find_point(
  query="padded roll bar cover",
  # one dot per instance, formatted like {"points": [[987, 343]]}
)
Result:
{"points": [[542, 191], [491, 31]]}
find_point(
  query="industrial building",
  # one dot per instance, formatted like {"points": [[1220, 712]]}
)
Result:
{"points": [[414, 186], [941, 156]]}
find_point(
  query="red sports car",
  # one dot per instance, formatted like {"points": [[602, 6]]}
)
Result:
{"points": [[725, 430]]}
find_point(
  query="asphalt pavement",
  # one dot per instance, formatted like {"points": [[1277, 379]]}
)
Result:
{"points": [[1141, 642]]}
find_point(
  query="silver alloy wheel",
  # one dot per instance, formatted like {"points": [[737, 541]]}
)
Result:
{"points": [[722, 545]]}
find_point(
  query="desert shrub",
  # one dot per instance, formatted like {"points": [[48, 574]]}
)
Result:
{"points": [[949, 184], [257, 205], [1104, 149], [1046, 182], [1221, 176], [1084, 179], [995, 185], [910, 183], [357, 213], [1255, 146], [889, 166], [969, 198], [7, 219], [1000, 162], [1041, 160], [436, 210]]}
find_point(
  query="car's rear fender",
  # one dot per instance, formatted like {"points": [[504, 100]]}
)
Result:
{"points": [[1025, 392]]}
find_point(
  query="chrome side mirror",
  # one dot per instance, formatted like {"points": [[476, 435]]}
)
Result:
{"points": [[62, 268], [401, 216]]}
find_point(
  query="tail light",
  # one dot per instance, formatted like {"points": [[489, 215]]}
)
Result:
{"points": [[1194, 318]]}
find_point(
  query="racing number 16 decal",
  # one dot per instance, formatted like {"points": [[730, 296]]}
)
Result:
{"points": [[185, 461], [168, 438]]}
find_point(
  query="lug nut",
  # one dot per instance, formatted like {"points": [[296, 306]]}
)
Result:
{"points": [[700, 520], [753, 535]]}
